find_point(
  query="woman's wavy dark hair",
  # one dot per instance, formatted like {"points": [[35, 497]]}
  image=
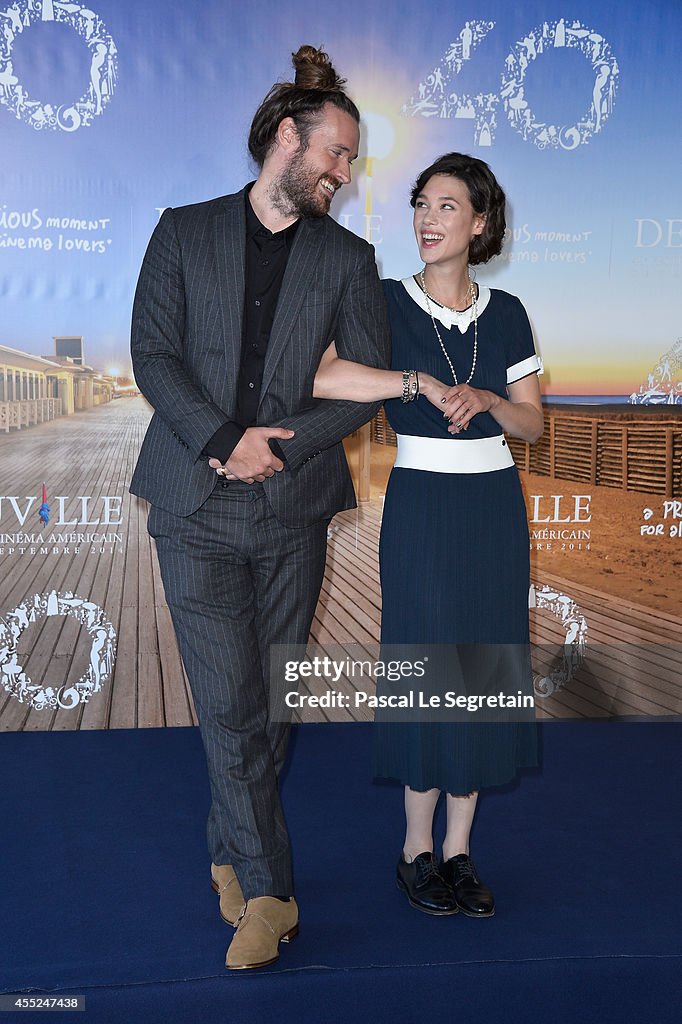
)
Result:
{"points": [[316, 83], [486, 198]]}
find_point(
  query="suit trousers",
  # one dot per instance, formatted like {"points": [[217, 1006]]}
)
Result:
{"points": [[236, 581]]}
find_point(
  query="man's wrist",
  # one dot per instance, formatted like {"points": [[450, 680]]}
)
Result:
{"points": [[224, 441]]}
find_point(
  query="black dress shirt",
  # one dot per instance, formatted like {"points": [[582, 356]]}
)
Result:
{"points": [[267, 254]]}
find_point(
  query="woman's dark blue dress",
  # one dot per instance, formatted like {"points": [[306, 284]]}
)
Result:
{"points": [[454, 548]]}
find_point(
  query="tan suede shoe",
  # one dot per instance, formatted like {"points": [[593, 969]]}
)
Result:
{"points": [[265, 922], [225, 883]]}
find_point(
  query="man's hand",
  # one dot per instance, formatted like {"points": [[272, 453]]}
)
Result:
{"points": [[253, 459]]}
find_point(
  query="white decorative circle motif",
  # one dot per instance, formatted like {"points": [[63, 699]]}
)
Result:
{"points": [[543, 39], [103, 65], [102, 652], [575, 625]]}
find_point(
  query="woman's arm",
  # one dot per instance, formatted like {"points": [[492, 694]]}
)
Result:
{"points": [[520, 415], [340, 378]]}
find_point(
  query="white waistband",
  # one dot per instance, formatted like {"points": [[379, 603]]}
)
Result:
{"points": [[441, 455]]}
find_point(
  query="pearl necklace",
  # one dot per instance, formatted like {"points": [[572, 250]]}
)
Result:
{"points": [[474, 303]]}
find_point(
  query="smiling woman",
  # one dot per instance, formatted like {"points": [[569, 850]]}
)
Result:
{"points": [[455, 504], [474, 201]]}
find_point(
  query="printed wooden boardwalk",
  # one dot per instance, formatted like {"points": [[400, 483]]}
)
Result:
{"points": [[633, 659], [90, 454], [632, 666]]}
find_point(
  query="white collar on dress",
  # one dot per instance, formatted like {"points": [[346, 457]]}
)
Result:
{"points": [[447, 317]]}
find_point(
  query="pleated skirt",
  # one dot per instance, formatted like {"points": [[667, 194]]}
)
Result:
{"points": [[454, 556]]}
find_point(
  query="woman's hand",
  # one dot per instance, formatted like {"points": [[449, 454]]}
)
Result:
{"points": [[432, 389], [520, 415], [461, 403]]}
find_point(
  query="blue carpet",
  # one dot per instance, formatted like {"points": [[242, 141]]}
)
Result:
{"points": [[105, 892]]}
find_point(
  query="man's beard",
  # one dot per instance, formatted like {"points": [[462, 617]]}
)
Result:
{"points": [[296, 192]]}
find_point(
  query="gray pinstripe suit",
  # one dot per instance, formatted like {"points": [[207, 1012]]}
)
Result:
{"points": [[242, 565]]}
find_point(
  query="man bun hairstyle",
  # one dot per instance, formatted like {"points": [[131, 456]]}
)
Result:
{"points": [[315, 84], [314, 70], [486, 198]]}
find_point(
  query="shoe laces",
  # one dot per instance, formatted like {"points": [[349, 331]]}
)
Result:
{"points": [[426, 869], [466, 869]]}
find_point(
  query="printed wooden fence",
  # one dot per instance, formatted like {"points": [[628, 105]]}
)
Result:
{"points": [[632, 451]]}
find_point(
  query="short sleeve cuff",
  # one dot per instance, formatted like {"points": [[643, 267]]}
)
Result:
{"points": [[533, 364]]}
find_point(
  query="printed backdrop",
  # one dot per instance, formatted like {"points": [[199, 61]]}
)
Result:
{"points": [[112, 112]]}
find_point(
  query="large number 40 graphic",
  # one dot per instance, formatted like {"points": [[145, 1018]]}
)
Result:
{"points": [[436, 95], [40, 114]]}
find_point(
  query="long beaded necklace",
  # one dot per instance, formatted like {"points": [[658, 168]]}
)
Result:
{"points": [[474, 304]]}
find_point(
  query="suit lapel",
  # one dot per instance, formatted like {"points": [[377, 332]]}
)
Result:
{"points": [[230, 244], [298, 277]]}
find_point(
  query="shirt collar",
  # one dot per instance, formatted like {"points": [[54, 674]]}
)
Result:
{"points": [[447, 317]]}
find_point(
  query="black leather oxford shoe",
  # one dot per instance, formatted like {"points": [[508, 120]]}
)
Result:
{"points": [[425, 888], [473, 898]]}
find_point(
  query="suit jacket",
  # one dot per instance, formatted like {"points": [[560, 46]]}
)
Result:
{"points": [[186, 349]]}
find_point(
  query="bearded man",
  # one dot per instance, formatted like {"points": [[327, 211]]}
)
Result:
{"points": [[237, 300]]}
